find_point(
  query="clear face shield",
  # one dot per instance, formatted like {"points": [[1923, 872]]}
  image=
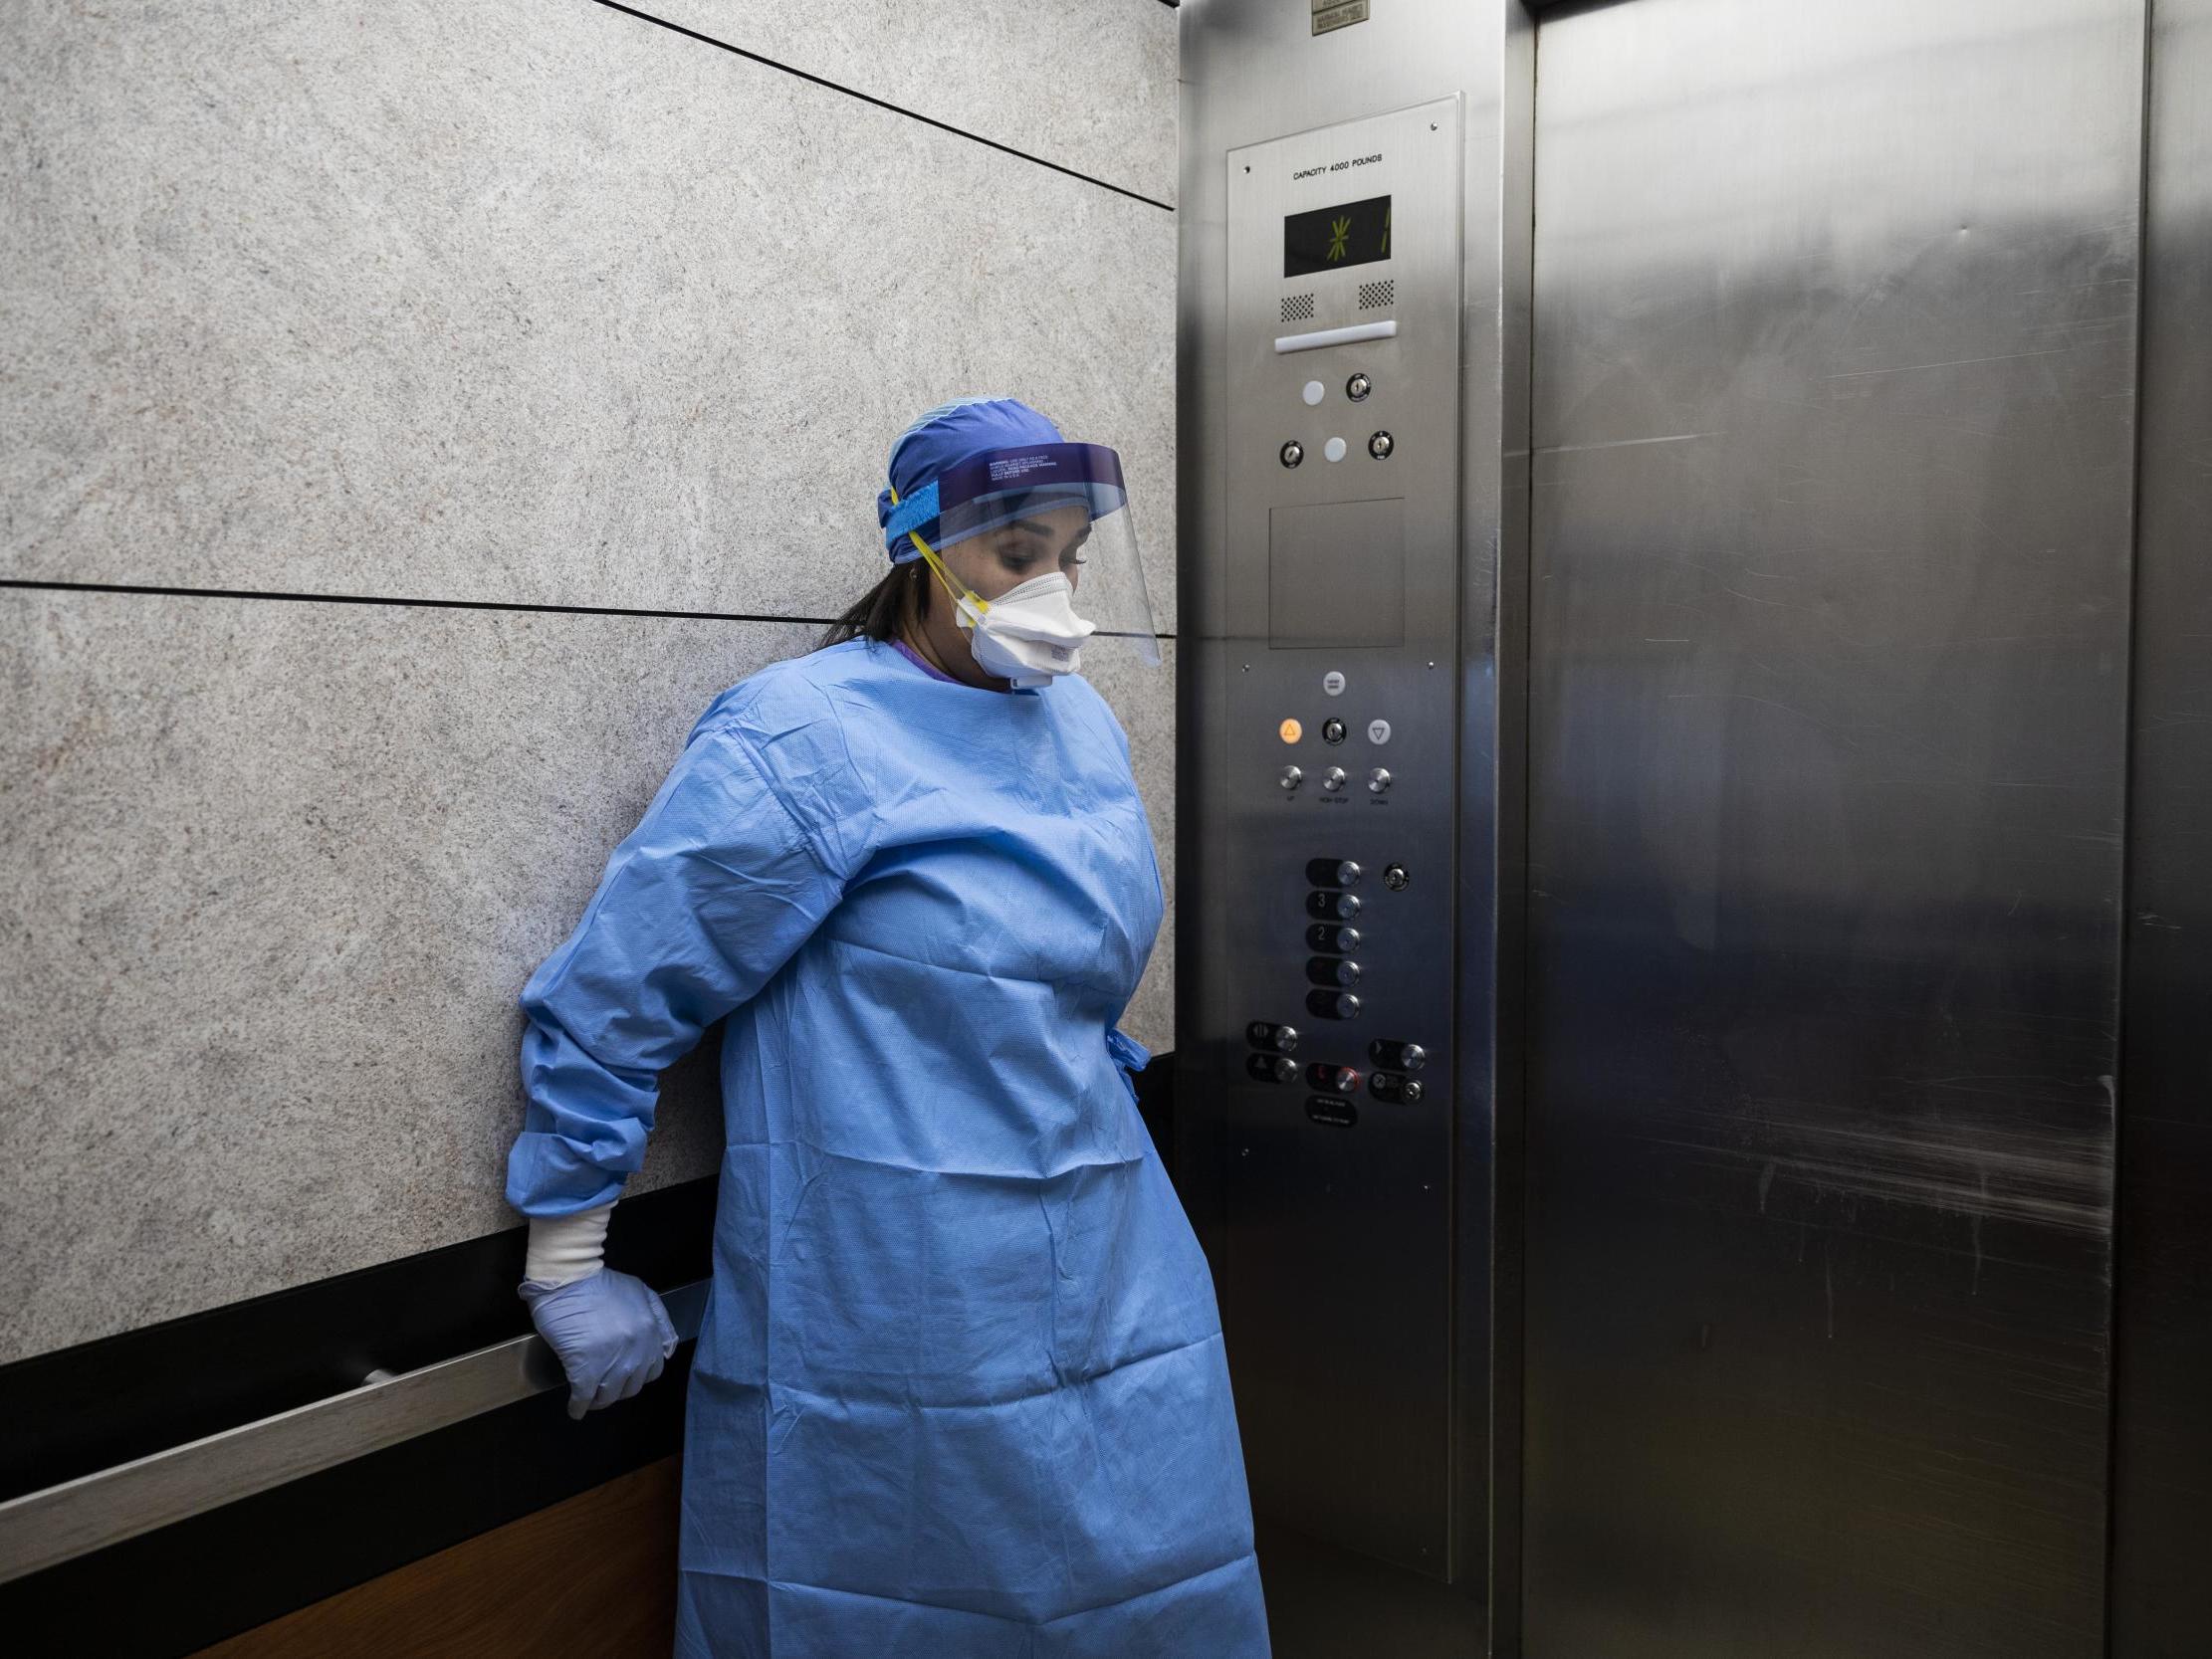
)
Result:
{"points": [[1010, 526]]}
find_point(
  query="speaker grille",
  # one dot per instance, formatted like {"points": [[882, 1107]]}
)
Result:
{"points": [[1298, 307], [1374, 295]]}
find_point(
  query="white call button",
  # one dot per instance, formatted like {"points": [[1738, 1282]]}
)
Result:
{"points": [[1315, 393], [1377, 731]]}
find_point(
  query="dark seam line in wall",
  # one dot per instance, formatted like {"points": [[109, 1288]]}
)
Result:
{"points": [[422, 604], [882, 103], [33, 586]]}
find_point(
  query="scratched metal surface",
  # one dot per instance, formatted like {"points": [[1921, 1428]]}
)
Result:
{"points": [[1833, 370], [2162, 1465]]}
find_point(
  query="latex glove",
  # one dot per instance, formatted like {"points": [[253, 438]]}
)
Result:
{"points": [[609, 1332]]}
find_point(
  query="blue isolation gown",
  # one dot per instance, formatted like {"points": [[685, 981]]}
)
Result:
{"points": [[960, 1391]]}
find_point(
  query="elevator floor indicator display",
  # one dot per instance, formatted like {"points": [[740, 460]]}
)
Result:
{"points": [[1333, 237]]}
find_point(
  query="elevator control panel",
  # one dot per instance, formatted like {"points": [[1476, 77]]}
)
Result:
{"points": [[1328, 1000]]}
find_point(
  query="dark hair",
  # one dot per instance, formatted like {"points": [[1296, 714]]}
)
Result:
{"points": [[878, 613]]}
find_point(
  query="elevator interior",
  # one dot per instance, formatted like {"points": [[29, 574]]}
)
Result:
{"points": [[1693, 808]]}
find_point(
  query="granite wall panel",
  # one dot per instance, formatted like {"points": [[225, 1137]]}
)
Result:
{"points": [[521, 302], [1088, 85], [534, 304], [276, 874]]}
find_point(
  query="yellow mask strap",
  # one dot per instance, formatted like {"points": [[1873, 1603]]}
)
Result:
{"points": [[955, 590]]}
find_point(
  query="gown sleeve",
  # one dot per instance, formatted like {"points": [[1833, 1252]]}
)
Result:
{"points": [[712, 892]]}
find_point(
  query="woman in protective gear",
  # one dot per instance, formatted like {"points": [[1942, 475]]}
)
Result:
{"points": [[961, 1391]]}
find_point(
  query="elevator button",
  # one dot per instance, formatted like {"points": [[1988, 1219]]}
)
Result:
{"points": [[1332, 906], [1314, 392], [1271, 1068], [1378, 781], [1332, 732], [1333, 449], [1334, 1080], [1293, 453], [1378, 732], [1396, 1056], [1334, 872], [1282, 1039], [1389, 1086], [1332, 781], [1380, 446], [1333, 682], [1333, 1005], [1340, 972], [1290, 731], [1326, 935], [1357, 387], [1290, 779]]}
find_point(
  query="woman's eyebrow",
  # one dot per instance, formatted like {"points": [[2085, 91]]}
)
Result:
{"points": [[1046, 532]]}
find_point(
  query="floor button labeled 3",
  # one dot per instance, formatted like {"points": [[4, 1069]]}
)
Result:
{"points": [[1333, 907]]}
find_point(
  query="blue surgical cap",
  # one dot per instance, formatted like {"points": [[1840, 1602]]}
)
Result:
{"points": [[945, 436]]}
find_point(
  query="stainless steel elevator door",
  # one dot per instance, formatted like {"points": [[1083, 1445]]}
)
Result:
{"points": [[1833, 395], [2162, 1464]]}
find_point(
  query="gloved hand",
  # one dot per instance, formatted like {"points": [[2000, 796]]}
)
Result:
{"points": [[609, 1332]]}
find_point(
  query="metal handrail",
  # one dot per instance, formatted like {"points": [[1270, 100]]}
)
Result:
{"points": [[59, 1522]]}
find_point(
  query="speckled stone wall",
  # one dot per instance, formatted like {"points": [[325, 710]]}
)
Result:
{"points": [[395, 357]]}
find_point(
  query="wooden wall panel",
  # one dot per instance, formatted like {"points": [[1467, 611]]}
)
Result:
{"points": [[593, 1578]]}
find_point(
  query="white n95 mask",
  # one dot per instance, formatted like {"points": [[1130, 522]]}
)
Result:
{"points": [[1030, 634]]}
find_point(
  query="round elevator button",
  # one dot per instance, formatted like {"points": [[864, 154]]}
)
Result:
{"points": [[1333, 449], [1314, 392], [1333, 970], [1330, 935], [1377, 731]]}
